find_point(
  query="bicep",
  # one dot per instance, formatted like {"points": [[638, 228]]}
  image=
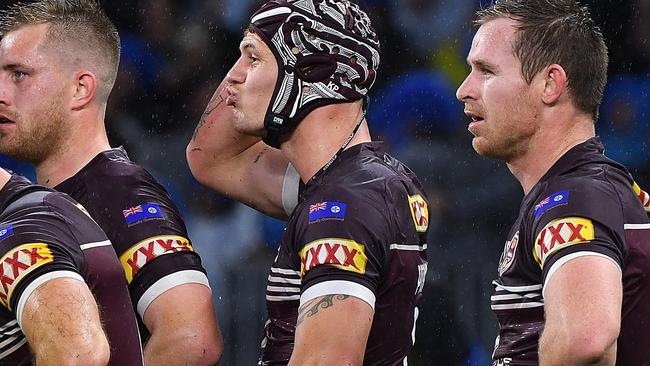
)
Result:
{"points": [[60, 319], [584, 293], [333, 328]]}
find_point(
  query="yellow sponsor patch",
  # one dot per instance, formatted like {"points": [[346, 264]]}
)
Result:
{"points": [[341, 253], [419, 212], [149, 249], [562, 233], [18, 263]]}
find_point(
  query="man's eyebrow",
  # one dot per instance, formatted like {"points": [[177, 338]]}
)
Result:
{"points": [[481, 64], [12, 66], [248, 45]]}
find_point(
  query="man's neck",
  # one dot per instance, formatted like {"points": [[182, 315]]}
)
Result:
{"points": [[75, 152], [321, 134], [547, 147]]}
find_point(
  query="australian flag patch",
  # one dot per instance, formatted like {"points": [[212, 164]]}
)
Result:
{"points": [[327, 211], [142, 212], [556, 199]]}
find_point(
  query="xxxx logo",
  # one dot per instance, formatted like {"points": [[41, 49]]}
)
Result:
{"points": [[341, 253], [17, 263], [420, 212], [562, 233], [147, 250]]}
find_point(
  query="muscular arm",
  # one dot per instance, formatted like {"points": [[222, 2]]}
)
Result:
{"points": [[179, 336], [332, 330], [583, 313], [61, 322], [241, 167]]}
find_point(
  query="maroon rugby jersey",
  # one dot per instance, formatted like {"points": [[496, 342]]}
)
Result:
{"points": [[142, 222], [359, 229], [585, 204], [45, 235]]}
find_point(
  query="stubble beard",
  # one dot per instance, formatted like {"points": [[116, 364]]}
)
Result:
{"points": [[513, 138], [38, 138]]}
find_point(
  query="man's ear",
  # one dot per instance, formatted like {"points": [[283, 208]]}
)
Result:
{"points": [[84, 90], [555, 83]]}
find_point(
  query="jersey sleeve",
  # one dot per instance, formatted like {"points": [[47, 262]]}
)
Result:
{"points": [[584, 219], [33, 252], [150, 239], [343, 242]]}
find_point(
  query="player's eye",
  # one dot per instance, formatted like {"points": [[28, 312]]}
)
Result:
{"points": [[18, 75]]}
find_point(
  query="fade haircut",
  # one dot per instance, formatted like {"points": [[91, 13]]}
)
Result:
{"points": [[557, 32], [80, 26]]}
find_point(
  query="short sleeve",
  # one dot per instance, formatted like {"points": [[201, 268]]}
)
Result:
{"points": [[583, 219], [343, 243]]}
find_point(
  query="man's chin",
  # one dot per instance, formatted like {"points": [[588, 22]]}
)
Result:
{"points": [[485, 149]]}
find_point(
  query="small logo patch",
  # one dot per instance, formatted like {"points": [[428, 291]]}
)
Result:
{"points": [[554, 200], [142, 212], [508, 255], [420, 212], [327, 211], [562, 233]]}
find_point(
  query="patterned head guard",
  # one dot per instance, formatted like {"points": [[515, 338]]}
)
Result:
{"points": [[327, 52]]}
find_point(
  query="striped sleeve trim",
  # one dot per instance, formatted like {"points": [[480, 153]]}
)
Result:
{"points": [[35, 284], [564, 260], [168, 282], [339, 288]]}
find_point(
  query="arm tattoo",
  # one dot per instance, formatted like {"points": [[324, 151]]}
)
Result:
{"points": [[311, 308], [214, 103]]}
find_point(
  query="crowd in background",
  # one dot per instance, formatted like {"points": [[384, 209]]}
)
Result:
{"points": [[174, 53]]}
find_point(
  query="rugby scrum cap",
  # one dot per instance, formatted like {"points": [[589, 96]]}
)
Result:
{"points": [[327, 52]]}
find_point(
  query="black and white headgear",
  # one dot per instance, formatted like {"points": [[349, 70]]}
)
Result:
{"points": [[327, 52]]}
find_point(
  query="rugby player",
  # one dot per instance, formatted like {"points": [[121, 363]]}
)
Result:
{"points": [[58, 64], [55, 263], [289, 118], [572, 285]]}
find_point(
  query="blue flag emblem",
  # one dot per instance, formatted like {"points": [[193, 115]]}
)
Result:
{"points": [[556, 199], [327, 211], [142, 212], [6, 231]]}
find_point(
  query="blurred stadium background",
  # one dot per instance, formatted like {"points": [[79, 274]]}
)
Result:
{"points": [[175, 53]]}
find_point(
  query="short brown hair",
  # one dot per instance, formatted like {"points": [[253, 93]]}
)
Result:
{"points": [[81, 25], [557, 32]]}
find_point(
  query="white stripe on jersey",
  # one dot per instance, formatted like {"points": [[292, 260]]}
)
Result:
{"points": [[517, 288], [283, 298], [515, 296], [285, 271], [413, 247], [292, 281], [95, 244], [9, 325], [9, 351], [521, 305], [282, 289], [636, 226]]}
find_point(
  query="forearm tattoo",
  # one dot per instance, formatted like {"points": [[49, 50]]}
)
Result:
{"points": [[214, 103], [311, 308]]}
